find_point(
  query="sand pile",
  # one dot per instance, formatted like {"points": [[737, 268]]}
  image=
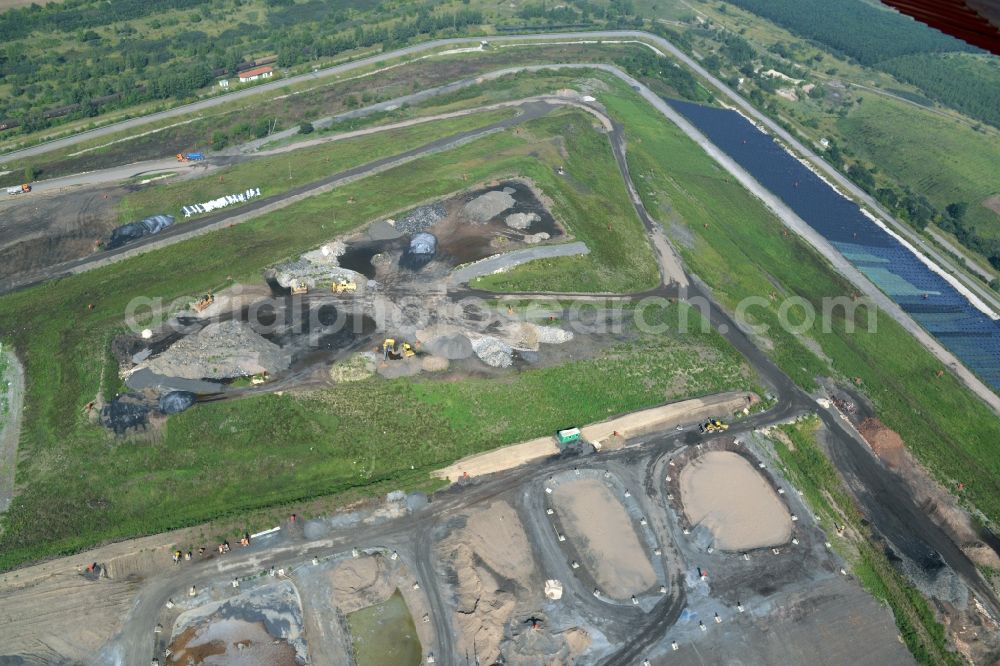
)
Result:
{"points": [[521, 221], [723, 492], [886, 444], [601, 529], [482, 607], [219, 351], [361, 582], [492, 563], [487, 206], [539, 646], [494, 352]]}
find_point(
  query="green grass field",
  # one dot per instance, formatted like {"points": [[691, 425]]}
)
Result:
{"points": [[82, 486], [279, 173], [805, 464], [740, 249], [942, 159]]}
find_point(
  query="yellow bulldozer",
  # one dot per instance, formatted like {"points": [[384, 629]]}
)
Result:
{"points": [[714, 425], [203, 302], [393, 352]]}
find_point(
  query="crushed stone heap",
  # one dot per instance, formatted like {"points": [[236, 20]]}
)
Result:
{"points": [[220, 351]]}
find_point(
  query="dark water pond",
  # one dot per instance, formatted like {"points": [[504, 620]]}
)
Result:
{"points": [[926, 296]]}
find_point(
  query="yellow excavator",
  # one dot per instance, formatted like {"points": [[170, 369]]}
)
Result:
{"points": [[394, 352], [344, 286], [714, 425]]}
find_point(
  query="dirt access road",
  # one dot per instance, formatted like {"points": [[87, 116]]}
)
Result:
{"points": [[12, 388], [892, 510], [655, 42]]}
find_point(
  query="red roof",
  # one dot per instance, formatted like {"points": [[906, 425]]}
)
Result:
{"points": [[256, 71]]}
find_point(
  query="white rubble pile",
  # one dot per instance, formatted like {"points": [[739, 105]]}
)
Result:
{"points": [[221, 202], [533, 239], [493, 352], [315, 274], [550, 335], [521, 221], [487, 206], [220, 351], [328, 254]]}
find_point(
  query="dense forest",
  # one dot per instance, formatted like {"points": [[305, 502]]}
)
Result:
{"points": [[855, 29], [140, 56], [894, 43], [970, 85]]}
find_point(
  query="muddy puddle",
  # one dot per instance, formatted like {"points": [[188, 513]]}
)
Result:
{"points": [[262, 627], [465, 232], [385, 634]]}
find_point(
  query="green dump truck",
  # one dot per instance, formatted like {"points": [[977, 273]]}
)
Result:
{"points": [[567, 435]]}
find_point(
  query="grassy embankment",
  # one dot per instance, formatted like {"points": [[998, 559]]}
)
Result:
{"points": [[941, 158], [805, 465], [732, 242], [279, 173], [81, 486]]}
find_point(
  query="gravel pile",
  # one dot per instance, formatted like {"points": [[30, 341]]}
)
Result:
{"points": [[449, 346], [493, 352], [551, 335], [487, 206], [219, 351], [521, 221], [420, 219], [320, 273], [532, 239]]}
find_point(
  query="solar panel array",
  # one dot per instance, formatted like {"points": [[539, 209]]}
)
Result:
{"points": [[926, 296]]}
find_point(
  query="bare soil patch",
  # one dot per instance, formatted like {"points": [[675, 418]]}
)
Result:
{"points": [[721, 491], [993, 203], [261, 627], [496, 583], [601, 528]]}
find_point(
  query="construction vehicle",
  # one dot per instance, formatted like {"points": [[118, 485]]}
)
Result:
{"points": [[567, 435], [393, 352], [203, 302], [299, 289], [714, 425], [344, 286], [23, 189], [190, 157]]}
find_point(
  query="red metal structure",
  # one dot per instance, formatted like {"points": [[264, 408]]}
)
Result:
{"points": [[974, 21]]}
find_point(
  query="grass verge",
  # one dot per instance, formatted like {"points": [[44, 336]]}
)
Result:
{"points": [[805, 464]]}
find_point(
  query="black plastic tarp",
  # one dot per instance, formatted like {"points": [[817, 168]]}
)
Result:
{"points": [[176, 401], [136, 230]]}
